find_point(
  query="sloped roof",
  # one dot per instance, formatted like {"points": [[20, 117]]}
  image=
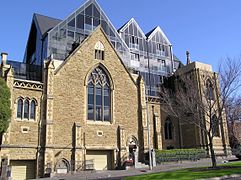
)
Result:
{"points": [[132, 20], [45, 23], [151, 31]]}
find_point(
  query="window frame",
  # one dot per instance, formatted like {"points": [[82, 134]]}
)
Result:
{"points": [[103, 88], [215, 126], [209, 90], [26, 115], [168, 130]]}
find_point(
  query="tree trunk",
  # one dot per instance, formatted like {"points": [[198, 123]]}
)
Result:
{"points": [[213, 156]]}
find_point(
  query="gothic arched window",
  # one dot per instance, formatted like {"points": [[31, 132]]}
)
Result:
{"points": [[20, 109], [26, 109], [209, 90], [32, 109], [168, 129], [99, 96], [215, 126]]}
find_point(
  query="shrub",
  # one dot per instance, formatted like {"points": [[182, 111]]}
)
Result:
{"points": [[179, 155]]}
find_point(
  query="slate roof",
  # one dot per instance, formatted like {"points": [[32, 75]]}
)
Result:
{"points": [[46, 23]]}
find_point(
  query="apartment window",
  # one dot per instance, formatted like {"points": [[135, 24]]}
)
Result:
{"points": [[135, 57], [134, 42], [160, 47], [168, 129], [99, 96], [163, 63]]}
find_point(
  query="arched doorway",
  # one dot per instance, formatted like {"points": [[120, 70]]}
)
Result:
{"points": [[62, 166], [132, 144]]}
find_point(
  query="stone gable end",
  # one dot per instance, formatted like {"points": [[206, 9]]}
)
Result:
{"points": [[70, 101]]}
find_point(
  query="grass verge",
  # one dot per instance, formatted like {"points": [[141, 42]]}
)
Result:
{"points": [[194, 173]]}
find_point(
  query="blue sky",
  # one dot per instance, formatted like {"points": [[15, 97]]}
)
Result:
{"points": [[209, 29]]}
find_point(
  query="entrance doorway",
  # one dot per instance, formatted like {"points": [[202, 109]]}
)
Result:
{"points": [[133, 149]]}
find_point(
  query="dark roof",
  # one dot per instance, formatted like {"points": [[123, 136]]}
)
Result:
{"points": [[122, 26], [150, 32], [45, 23]]}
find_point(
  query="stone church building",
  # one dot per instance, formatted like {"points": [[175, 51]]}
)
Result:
{"points": [[85, 93]]}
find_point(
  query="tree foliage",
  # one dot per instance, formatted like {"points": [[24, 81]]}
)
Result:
{"points": [[5, 106]]}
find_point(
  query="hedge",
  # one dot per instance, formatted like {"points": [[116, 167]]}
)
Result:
{"points": [[179, 155]]}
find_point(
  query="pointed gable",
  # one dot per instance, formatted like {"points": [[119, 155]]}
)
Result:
{"points": [[78, 26], [157, 35], [133, 35], [45, 23]]}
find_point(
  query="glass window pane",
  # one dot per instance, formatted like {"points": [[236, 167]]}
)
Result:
{"points": [[72, 23], [71, 35], [90, 90], [170, 131], [106, 113], [166, 131], [88, 10], [98, 91], [33, 109], [98, 113], [20, 108], [98, 100], [106, 92], [26, 109], [88, 23], [96, 22], [90, 112], [90, 99], [80, 21], [107, 101], [104, 25], [96, 13]]}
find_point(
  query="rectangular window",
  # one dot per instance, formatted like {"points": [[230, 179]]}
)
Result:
{"points": [[132, 39], [164, 63], [135, 57], [99, 54], [134, 42], [160, 49]]}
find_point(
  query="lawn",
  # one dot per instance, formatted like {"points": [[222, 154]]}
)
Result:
{"points": [[194, 173]]}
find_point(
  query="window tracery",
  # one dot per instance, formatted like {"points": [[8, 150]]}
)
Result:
{"points": [[99, 96]]}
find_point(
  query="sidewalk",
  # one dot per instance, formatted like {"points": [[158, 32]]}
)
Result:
{"points": [[120, 174]]}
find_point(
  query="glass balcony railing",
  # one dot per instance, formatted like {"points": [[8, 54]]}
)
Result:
{"points": [[26, 71]]}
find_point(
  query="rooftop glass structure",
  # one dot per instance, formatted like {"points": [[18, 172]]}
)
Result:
{"points": [[146, 54]]}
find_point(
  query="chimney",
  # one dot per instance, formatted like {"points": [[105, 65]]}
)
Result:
{"points": [[4, 57], [188, 57]]}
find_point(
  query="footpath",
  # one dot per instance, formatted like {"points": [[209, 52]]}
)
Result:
{"points": [[121, 174]]}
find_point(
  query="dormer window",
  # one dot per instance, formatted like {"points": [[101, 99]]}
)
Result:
{"points": [[99, 51]]}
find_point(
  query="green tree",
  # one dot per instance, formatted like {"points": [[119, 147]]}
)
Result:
{"points": [[5, 106]]}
